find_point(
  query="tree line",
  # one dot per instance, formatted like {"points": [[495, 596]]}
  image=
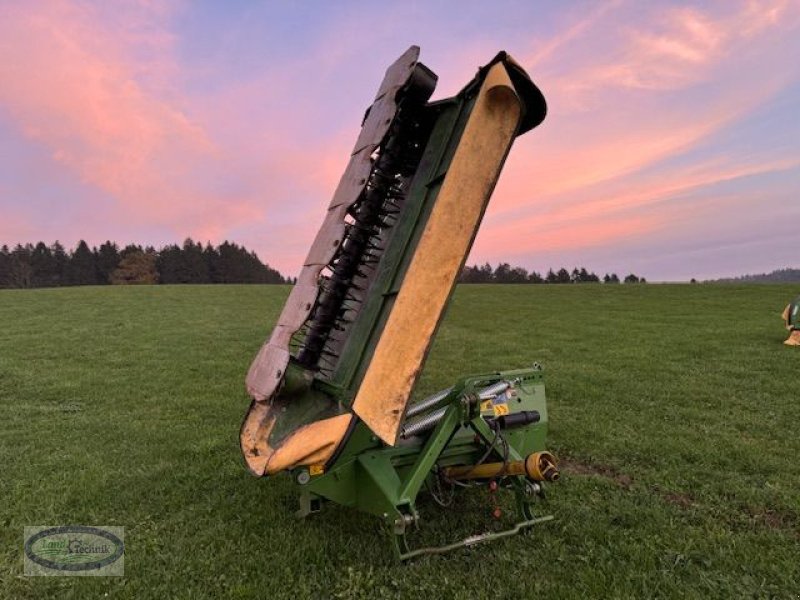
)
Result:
{"points": [[505, 273], [776, 276], [42, 265]]}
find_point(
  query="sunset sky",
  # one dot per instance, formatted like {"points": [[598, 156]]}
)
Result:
{"points": [[671, 147]]}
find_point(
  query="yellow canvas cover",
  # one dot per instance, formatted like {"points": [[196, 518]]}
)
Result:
{"points": [[386, 388]]}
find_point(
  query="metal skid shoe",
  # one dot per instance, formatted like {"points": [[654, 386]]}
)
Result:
{"points": [[487, 429]]}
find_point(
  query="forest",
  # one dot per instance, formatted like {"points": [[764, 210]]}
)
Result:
{"points": [[505, 273], [42, 265]]}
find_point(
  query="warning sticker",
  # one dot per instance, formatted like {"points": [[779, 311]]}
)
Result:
{"points": [[500, 409]]}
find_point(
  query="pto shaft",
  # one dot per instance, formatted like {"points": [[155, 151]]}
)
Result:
{"points": [[538, 466]]}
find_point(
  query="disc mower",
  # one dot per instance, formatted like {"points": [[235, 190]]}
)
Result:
{"points": [[791, 316], [331, 388]]}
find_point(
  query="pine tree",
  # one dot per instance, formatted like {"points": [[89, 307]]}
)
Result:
{"points": [[518, 275], [5, 265], [196, 268], [170, 264], [502, 273], [107, 260], [81, 268], [20, 272], [211, 256], [485, 273], [562, 276], [61, 260], [227, 268], [45, 271]]}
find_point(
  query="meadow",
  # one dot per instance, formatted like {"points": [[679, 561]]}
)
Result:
{"points": [[674, 409]]}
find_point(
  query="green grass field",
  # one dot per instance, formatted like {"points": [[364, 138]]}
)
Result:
{"points": [[674, 407]]}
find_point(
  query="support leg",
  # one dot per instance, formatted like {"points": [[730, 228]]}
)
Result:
{"points": [[309, 504]]}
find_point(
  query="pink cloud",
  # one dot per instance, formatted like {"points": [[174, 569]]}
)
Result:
{"points": [[604, 154], [93, 92], [617, 214], [668, 48], [525, 236]]}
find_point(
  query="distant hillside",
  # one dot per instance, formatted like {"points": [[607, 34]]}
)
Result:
{"points": [[777, 276]]}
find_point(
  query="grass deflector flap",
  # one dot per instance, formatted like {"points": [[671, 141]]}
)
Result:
{"points": [[332, 383]]}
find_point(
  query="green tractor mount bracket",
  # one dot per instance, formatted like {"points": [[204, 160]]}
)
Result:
{"points": [[472, 423]]}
